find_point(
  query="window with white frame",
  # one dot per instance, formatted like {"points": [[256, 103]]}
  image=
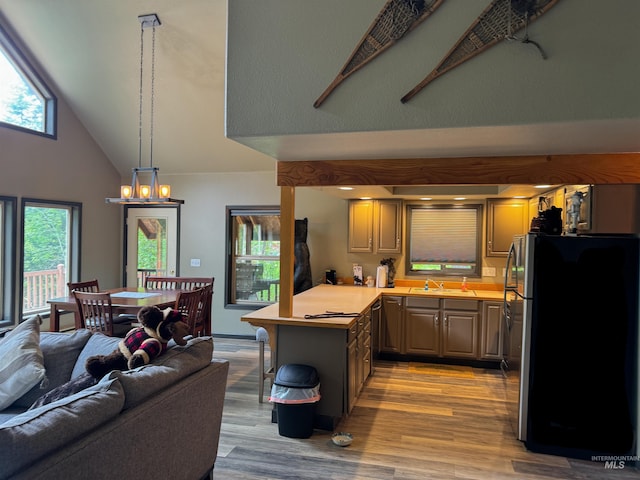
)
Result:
{"points": [[26, 103]]}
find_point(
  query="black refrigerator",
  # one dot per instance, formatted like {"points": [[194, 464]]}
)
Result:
{"points": [[571, 343]]}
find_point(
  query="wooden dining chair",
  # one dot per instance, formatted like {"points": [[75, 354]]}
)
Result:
{"points": [[188, 304], [177, 283], [202, 325], [86, 286], [203, 319], [96, 314]]}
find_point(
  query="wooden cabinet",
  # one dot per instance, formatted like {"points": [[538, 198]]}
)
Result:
{"points": [[361, 226], [459, 328], [392, 325], [422, 322], [443, 328], [491, 339], [358, 357], [505, 218], [375, 226]]}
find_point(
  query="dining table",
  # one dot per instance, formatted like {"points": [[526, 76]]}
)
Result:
{"points": [[123, 300]]}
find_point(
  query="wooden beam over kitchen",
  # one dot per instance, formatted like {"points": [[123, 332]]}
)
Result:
{"points": [[615, 168]]}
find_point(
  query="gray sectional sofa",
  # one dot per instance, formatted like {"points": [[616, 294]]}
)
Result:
{"points": [[161, 420]]}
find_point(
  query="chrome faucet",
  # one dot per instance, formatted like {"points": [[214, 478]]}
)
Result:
{"points": [[439, 285]]}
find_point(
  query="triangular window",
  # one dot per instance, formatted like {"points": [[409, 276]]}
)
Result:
{"points": [[26, 103]]}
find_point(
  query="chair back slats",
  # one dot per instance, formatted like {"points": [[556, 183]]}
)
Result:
{"points": [[95, 310], [177, 283], [86, 286], [188, 304], [201, 323]]}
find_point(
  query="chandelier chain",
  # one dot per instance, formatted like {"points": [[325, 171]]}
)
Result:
{"points": [[153, 82], [140, 96]]}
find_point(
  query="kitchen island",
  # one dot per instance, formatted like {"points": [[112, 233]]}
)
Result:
{"points": [[339, 347]]}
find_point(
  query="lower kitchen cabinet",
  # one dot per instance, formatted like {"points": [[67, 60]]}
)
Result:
{"points": [[460, 332], [358, 357], [422, 326], [492, 331], [463, 329], [441, 327], [392, 325]]}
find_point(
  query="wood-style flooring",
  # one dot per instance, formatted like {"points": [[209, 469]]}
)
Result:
{"points": [[411, 422]]}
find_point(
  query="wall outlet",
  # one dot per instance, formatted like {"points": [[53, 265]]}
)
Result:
{"points": [[488, 271], [195, 262]]}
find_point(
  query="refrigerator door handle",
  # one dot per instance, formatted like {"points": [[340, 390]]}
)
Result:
{"points": [[510, 259]]}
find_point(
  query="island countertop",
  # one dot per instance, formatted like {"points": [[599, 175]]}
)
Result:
{"points": [[348, 299]]}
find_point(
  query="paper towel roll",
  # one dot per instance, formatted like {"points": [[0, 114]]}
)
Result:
{"points": [[381, 276]]}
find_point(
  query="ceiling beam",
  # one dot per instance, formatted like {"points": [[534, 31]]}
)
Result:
{"points": [[615, 168]]}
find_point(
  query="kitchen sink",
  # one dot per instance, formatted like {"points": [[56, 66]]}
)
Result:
{"points": [[449, 292]]}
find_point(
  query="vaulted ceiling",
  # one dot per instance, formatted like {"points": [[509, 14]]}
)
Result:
{"points": [[91, 53]]}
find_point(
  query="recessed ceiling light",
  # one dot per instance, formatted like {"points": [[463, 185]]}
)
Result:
{"points": [[426, 198], [519, 196], [365, 198], [543, 186], [460, 198], [345, 188]]}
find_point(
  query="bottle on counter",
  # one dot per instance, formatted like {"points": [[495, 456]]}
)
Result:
{"points": [[426, 284], [464, 286]]}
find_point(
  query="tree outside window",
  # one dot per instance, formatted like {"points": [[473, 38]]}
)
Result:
{"points": [[26, 103], [50, 246]]}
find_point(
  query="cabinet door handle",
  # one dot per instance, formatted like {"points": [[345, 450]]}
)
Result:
{"points": [[436, 319]]}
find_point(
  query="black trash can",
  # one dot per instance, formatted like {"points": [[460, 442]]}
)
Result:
{"points": [[295, 391]]}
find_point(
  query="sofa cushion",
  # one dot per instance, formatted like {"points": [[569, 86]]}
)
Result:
{"points": [[98, 344], [35, 433], [21, 361], [167, 369], [60, 352]]}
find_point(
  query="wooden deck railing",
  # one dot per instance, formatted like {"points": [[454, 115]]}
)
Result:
{"points": [[45, 284], [42, 285]]}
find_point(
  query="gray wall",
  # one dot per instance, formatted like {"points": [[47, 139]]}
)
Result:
{"points": [[71, 168], [282, 54]]}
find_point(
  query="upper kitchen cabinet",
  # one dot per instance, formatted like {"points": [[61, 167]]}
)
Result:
{"points": [[505, 218], [375, 226]]}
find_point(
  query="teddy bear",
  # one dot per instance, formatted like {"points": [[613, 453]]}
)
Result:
{"points": [[141, 344]]}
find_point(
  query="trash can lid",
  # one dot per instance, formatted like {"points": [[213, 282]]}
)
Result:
{"points": [[295, 375]]}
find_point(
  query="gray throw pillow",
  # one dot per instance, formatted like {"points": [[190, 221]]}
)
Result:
{"points": [[21, 362], [98, 344], [60, 352]]}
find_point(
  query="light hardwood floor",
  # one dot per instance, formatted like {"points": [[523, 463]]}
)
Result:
{"points": [[412, 421]]}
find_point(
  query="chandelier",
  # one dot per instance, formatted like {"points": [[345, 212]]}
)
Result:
{"points": [[152, 192]]}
